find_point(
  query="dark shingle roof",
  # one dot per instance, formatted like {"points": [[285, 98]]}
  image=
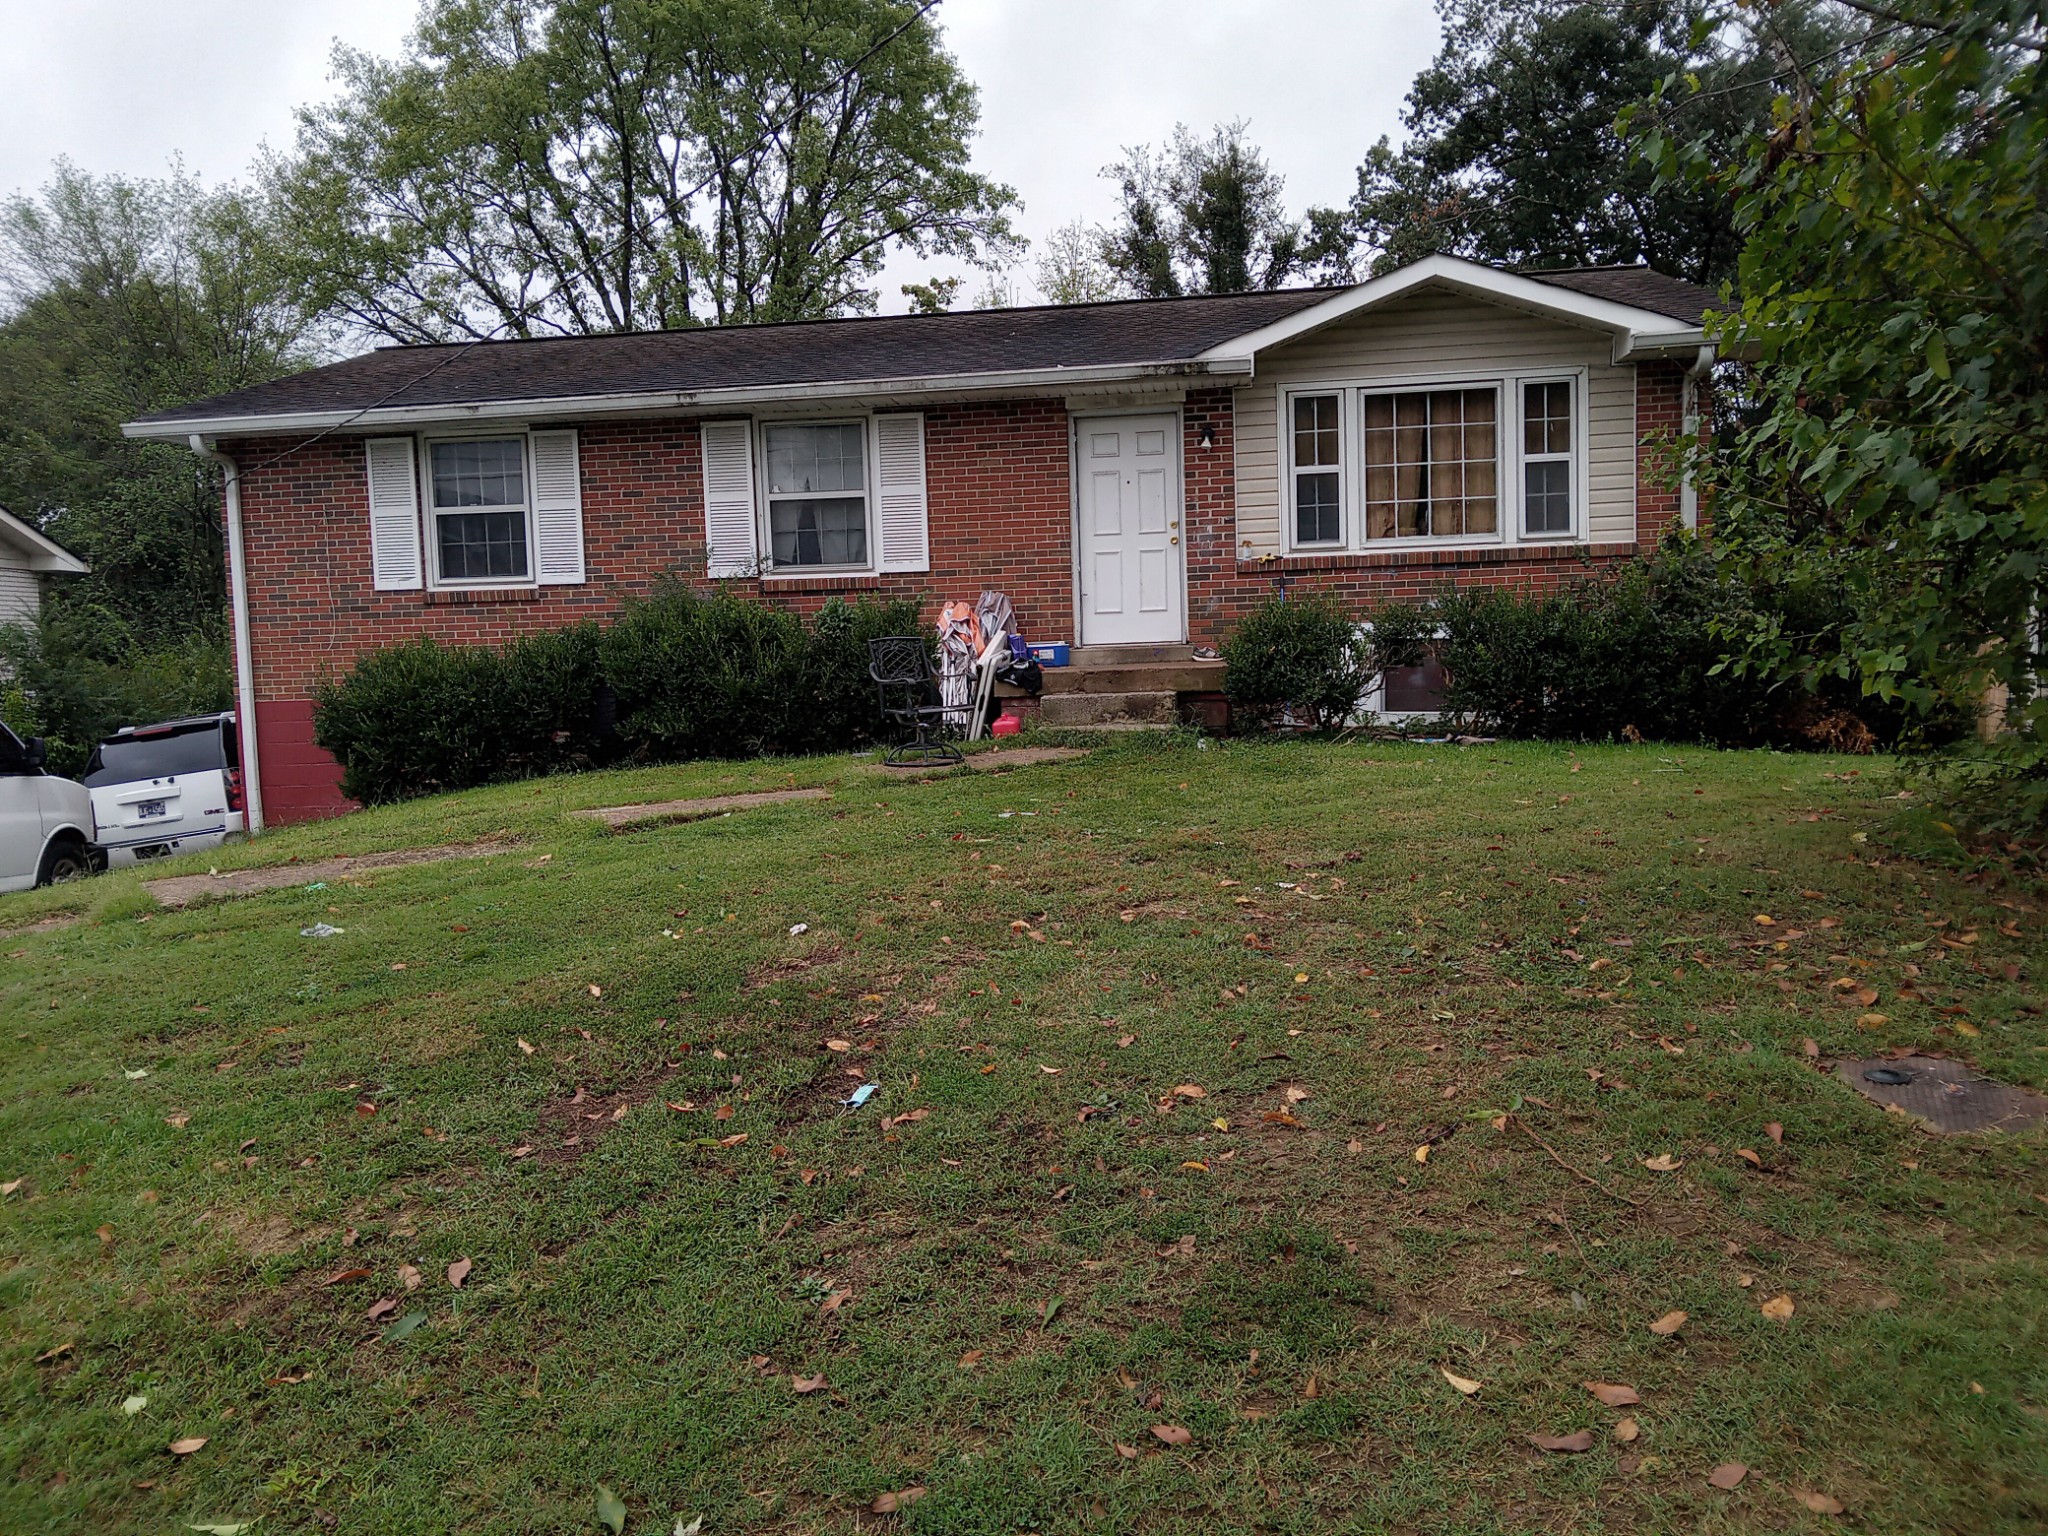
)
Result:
{"points": [[757, 356], [1129, 333], [1637, 286]]}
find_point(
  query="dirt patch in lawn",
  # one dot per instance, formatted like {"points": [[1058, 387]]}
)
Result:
{"points": [[42, 925], [622, 818], [183, 890], [570, 1127]]}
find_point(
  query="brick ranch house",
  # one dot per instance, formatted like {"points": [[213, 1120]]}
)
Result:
{"points": [[1132, 474]]}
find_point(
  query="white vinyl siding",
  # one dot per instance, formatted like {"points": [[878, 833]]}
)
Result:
{"points": [[19, 595], [1433, 336]]}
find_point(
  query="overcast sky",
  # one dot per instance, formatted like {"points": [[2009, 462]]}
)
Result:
{"points": [[123, 85]]}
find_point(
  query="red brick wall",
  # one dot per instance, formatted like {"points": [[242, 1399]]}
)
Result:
{"points": [[1660, 397], [1001, 515]]}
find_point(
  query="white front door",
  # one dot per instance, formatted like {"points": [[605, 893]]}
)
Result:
{"points": [[1132, 589]]}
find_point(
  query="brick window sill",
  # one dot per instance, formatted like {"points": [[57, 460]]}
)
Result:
{"points": [[820, 584], [462, 597], [1492, 554]]}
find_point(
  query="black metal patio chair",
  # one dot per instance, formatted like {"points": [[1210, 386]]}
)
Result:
{"points": [[901, 666]]}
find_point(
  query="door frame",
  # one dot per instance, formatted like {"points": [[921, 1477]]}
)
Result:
{"points": [[1177, 413]]}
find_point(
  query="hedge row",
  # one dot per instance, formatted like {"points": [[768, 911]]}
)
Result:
{"points": [[676, 676], [1638, 655]]}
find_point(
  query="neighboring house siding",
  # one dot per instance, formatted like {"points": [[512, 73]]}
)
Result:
{"points": [[20, 597], [1439, 334]]}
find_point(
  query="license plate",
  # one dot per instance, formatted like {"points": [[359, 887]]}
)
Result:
{"points": [[146, 809]]}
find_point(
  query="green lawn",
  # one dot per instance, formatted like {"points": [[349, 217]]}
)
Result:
{"points": [[1521, 958]]}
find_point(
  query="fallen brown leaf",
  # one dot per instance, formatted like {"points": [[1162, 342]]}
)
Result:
{"points": [[808, 1384], [1818, 1502], [1128, 1452], [1570, 1445], [188, 1445], [1611, 1393], [459, 1272], [409, 1277], [1190, 1091], [1778, 1308], [345, 1276], [1728, 1474], [890, 1503], [1171, 1434], [972, 1358], [1668, 1324], [1627, 1431], [1464, 1384], [1776, 1132]]}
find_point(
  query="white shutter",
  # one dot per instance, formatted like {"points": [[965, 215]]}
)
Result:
{"points": [[557, 508], [729, 498], [394, 513], [900, 509]]}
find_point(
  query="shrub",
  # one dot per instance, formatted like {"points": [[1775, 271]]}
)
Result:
{"points": [[1306, 656], [420, 718], [677, 676], [1637, 655]]}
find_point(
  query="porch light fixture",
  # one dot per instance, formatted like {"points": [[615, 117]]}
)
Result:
{"points": [[1206, 437]]}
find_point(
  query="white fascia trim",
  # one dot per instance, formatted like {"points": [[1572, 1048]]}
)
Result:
{"points": [[44, 553], [1458, 275], [691, 401]]}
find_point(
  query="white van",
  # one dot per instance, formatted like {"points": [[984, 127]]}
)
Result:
{"points": [[164, 789], [45, 823]]}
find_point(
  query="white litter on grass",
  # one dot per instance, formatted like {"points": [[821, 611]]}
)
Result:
{"points": [[321, 931], [138, 1073], [797, 930], [134, 1405]]}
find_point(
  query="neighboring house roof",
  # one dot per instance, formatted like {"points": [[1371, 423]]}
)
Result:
{"points": [[1043, 349], [34, 550]]}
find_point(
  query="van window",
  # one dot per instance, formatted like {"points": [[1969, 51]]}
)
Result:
{"points": [[13, 754], [125, 759]]}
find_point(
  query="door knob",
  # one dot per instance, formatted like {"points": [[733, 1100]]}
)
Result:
{"points": [[1174, 540]]}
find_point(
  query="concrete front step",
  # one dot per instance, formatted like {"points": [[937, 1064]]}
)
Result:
{"points": [[1127, 655], [1136, 677], [1151, 708]]}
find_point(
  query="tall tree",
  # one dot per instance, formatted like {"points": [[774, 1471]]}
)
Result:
{"points": [[1894, 276], [1070, 268], [536, 167], [117, 297], [1514, 155], [1202, 216]]}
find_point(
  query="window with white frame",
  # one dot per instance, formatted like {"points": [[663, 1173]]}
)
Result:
{"points": [[477, 506], [1318, 477], [817, 495], [1547, 457], [1431, 464], [1471, 461]]}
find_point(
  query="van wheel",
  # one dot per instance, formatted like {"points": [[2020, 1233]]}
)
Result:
{"points": [[65, 859]]}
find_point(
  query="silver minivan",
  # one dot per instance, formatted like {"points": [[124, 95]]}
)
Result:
{"points": [[45, 822], [164, 789]]}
